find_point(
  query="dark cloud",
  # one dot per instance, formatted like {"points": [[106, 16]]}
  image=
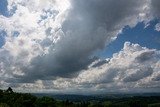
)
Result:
{"points": [[110, 74], [139, 74], [155, 8], [145, 56], [62, 64], [88, 27], [124, 71], [156, 78]]}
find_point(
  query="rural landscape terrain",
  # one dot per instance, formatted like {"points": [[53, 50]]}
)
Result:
{"points": [[8, 98]]}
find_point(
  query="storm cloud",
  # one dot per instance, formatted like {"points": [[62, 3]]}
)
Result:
{"points": [[89, 26], [121, 73], [54, 41]]}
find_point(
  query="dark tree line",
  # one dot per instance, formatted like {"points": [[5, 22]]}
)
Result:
{"points": [[8, 98]]}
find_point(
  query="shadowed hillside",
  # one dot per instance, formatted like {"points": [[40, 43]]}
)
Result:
{"points": [[8, 98]]}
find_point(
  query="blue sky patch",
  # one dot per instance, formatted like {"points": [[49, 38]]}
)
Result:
{"points": [[4, 10], [146, 37], [3, 7]]}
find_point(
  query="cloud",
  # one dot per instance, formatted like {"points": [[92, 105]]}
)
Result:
{"points": [[58, 39], [125, 71], [155, 7], [157, 27], [88, 26], [33, 37], [126, 65]]}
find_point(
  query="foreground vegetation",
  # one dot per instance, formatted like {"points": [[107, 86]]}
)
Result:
{"points": [[9, 98]]}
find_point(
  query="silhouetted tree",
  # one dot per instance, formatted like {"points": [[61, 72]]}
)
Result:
{"points": [[9, 90]]}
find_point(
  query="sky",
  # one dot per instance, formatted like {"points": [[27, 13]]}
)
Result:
{"points": [[80, 46]]}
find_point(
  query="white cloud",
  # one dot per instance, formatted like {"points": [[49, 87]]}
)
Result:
{"points": [[83, 31], [133, 69], [34, 37], [157, 27], [132, 63]]}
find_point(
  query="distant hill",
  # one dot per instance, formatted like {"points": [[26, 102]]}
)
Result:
{"points": [[8, 98], [77, 98]]}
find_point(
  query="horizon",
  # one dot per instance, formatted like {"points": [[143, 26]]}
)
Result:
{"points": [[80, 47]]}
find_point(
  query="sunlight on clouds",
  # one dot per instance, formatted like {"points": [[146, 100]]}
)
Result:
{"points": [[62, 6], [56, 39]]}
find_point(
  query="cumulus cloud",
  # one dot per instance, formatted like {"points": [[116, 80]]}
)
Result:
{"points": [[124, 72], [157, 27], [29, 32], [85, 29], [49, 39]]}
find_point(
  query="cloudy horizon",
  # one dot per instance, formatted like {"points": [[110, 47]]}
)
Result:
{"points": [[80, 46]]}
